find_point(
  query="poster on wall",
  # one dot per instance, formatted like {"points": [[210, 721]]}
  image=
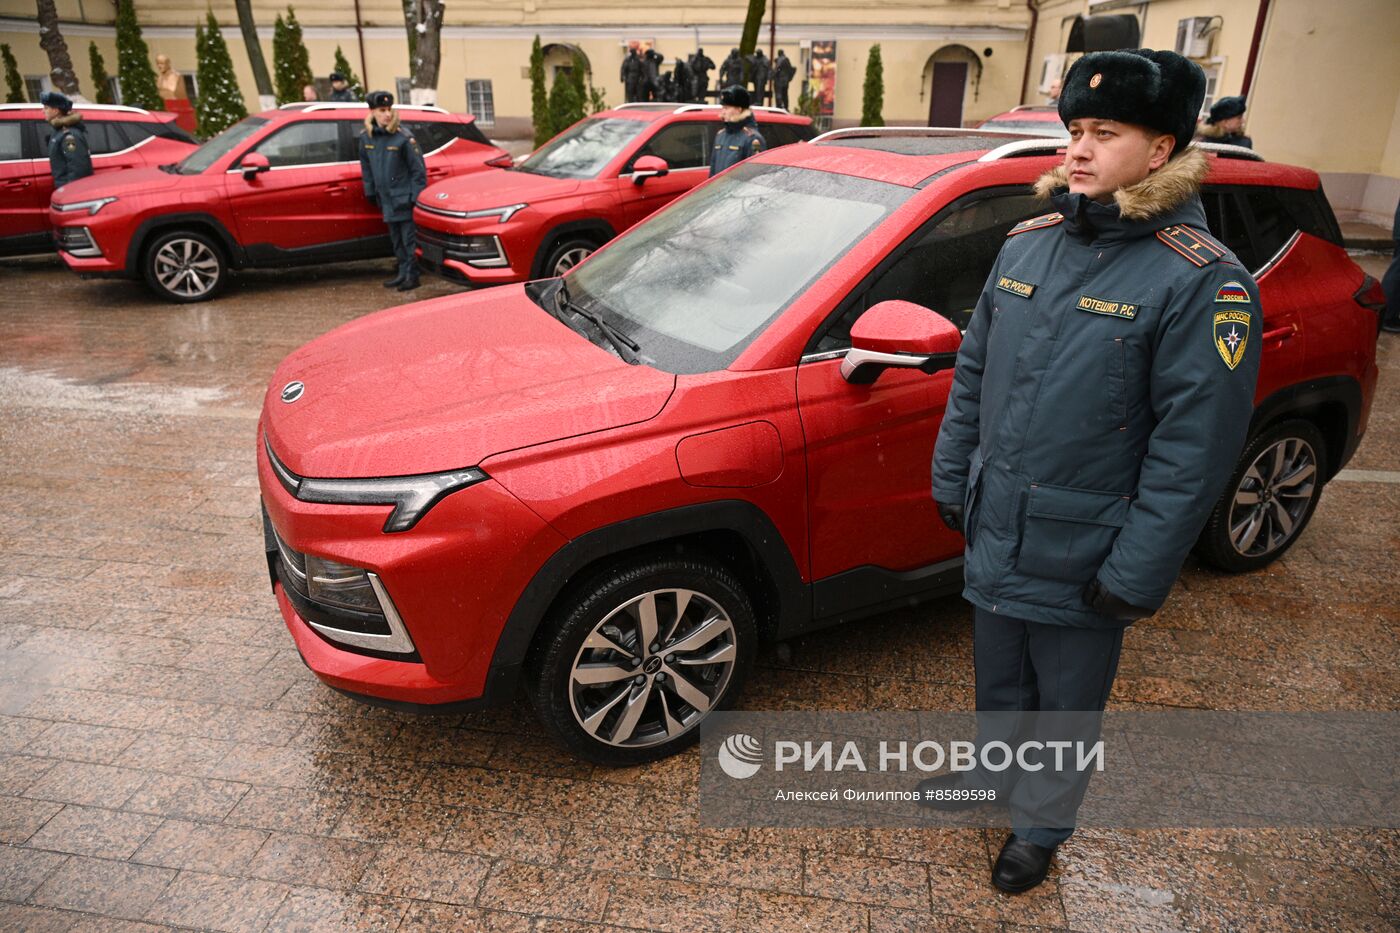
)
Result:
{"points": [[821, 76]]}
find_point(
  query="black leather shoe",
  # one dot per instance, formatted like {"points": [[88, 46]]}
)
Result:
{"points": [[395, 282], [951, 793], [408, 285], [1021, 865]]}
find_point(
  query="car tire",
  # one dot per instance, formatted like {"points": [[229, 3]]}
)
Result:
{"points": [[613, 701], [185, 266], [1269, 500], [566, 253]]}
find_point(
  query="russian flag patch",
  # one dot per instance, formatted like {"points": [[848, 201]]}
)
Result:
{"points": [[1232, 293]]}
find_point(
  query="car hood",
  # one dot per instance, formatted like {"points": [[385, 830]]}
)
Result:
{"points": [[444, 384], [494, 189], [121, 183]]}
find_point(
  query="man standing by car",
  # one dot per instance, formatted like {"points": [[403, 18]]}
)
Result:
{"points": [[340, 89], [1225, 123], [391, 164], [1101, 398], [69, 158], [739, 138]]}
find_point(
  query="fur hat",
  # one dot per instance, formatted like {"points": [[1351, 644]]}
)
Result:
{"points": [[337, 76], [56, 100], [735, 96], [1225, 108], [377, 99], [1157, 89]]}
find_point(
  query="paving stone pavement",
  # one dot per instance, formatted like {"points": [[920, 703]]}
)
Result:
{"points": [[167, 761]]}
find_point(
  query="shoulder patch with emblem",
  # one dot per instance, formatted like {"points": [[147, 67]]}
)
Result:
{"points": [[1230, 330], [1232, 293], [70, 144], [1036, 223], [1200, 249]]}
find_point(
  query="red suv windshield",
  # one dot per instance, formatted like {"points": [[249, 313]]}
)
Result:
{"points": [[582, 151], [698, 281], [220, 146]]}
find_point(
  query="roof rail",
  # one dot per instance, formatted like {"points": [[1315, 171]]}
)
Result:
{"points": [[1043, 108], [1042, 145], [1227, 151], [79, 104], [858, 131], [661, 105], [313, 106]]}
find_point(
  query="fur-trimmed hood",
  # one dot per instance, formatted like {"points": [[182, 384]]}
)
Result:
{"points": [[1158, 194], [67, 121]]}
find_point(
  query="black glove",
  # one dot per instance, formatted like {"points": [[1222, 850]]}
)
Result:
{"points": [[1112, 607], [952, 516]]}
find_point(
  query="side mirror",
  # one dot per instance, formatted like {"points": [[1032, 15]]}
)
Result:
{"points": [[647, 167], [254, 163], [899, 335]]}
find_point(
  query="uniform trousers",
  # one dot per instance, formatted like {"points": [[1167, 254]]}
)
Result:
{"points": [[1026, 666], [404, 236]]}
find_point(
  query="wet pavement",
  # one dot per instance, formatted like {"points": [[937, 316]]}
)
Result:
{"points": [[167, 761]]}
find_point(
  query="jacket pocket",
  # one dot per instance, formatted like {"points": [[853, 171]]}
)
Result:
{"points": [[1118, 382], [971, 496], [1069, 532]]}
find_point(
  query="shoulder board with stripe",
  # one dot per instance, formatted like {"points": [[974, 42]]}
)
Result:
{"points": [[1036, 223], [1196, 246]]}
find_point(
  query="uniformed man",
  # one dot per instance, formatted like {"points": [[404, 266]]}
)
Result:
{"points": [[739, 138], [1100, 401], [1225, 123], [391, 163], [340, 89], [69, 157]]}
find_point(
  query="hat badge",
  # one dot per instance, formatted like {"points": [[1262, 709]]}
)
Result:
{"points": [[1096, 80]]}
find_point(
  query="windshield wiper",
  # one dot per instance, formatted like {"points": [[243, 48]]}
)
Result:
{"points": [[626, 347]]}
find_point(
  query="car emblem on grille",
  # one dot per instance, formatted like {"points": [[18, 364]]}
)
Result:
{"points": [[292, 391], [442, 196]]}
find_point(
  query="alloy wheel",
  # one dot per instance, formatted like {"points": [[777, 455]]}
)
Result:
{"points": [[652, 668], [571, 258], [186, 267], [1272, 497]]}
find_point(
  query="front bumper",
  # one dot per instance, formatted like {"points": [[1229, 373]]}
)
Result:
{"points": [[87, 248], [462, 256], [452, 579]]}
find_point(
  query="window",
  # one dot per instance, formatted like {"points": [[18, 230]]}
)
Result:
{"points": [[403, 88], [480, 101], [943, 266], [682, 145], [778, 134], [1227, 224], [431, 136], [102, 136], [1311, 212], [583, 150], [1273, 227], [36, 85], [11, 141], [310, 142]]}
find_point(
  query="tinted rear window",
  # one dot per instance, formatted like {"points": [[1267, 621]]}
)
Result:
{"points": [[11, 140], [102, 136], [432, 135]]}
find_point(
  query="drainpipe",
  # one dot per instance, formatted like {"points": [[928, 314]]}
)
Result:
{"points": [[1254, 44], [1030, 47], [360, 33]]}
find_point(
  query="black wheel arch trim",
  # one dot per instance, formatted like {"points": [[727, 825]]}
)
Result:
{"points": [[595, 226], [153, 226], [1307, 400]]}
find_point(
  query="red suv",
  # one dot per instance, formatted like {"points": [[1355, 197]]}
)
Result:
{"points": [[277, 189], [1028, 119], [119, 137], [718, 429], [576, 192]]}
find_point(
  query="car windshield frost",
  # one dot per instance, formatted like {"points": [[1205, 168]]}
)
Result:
{"points": [[218, 147], [582, 151], [695, 283]]}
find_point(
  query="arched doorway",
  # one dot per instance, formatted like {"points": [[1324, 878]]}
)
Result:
{"points": [[559, 57], [948, 75]]}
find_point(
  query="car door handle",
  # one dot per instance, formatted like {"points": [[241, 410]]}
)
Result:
{"points": [[436, 172], [17, 183], [336, 189], [1280, 333]]}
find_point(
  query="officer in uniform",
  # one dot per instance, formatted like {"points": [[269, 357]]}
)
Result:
{"points": [[391, 164], [1099, 403], [340, 89], [1225, 123], [739, 138], [69, 157]]}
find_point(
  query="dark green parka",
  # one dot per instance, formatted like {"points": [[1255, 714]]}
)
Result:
{"points": [[1100, 400], [735, 142], [69, 156], [391, 164]]}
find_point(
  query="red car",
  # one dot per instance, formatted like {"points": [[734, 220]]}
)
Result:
{"points": [[610, 485], [1030, 120], [576, 192], [119, 137], [278, 189]]}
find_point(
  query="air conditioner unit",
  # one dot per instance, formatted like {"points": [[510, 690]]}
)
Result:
{"points": [[1053, 70], [1193, 36]]}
